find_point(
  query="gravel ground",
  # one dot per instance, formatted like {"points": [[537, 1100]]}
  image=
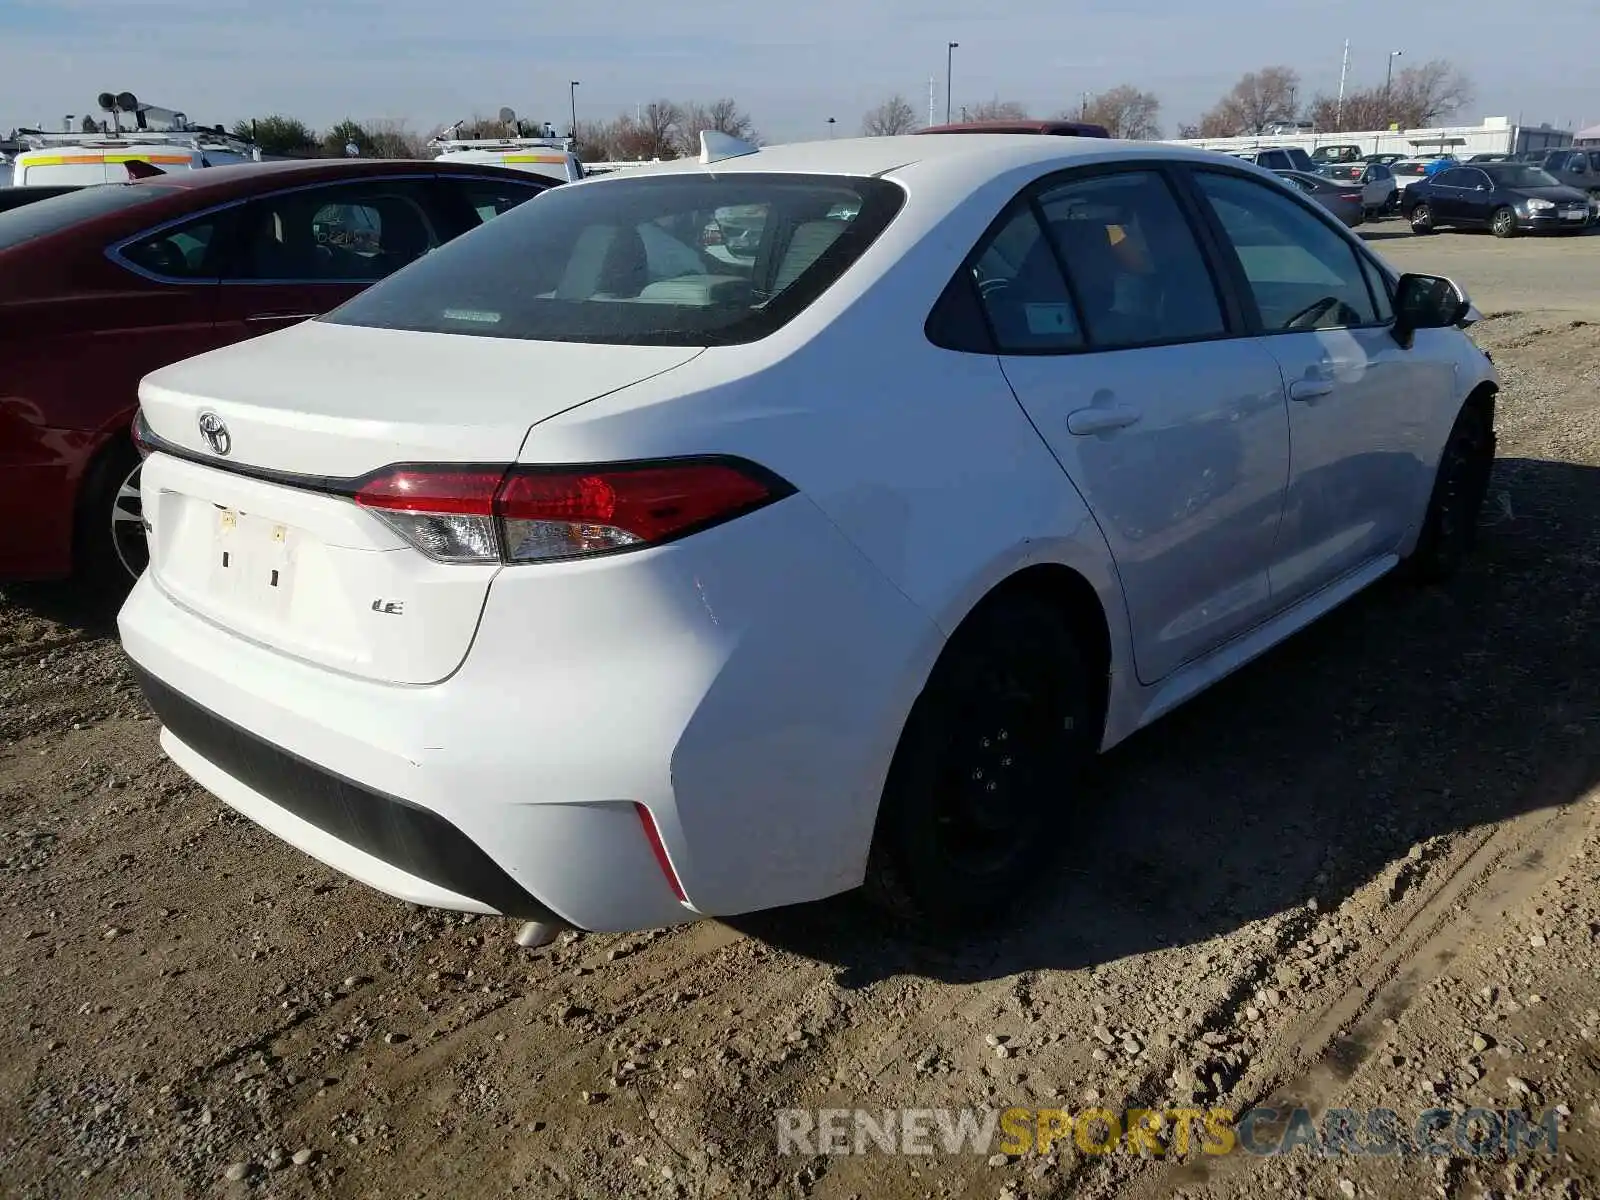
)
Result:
{"points": [[1361, 873]]}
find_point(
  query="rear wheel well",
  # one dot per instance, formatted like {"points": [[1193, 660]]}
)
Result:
{"points": [[1074, 596]]}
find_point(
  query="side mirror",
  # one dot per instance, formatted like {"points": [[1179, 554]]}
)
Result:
{"points": [[1427, 302]]}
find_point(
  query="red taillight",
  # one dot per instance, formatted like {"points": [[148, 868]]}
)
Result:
{"points": [[659, 849], [468, 493], [531, 514], [140, 432]]}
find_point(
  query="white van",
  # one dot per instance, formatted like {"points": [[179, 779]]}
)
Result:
{"points": [[549, 157], [101, 160]]}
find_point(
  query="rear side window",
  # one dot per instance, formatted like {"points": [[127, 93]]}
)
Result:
{"points": [[44, 217], [489, 198], [336, 233], [182, 252], [1133, 263], [1026, 299], [669, 260]]}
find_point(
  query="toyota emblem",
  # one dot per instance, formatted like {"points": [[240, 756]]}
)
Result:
{"points": [[215, 433]]}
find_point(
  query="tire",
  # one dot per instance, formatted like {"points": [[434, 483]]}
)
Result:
{"points": [[1504, 223], [1450, 526], [977, 803], [1421, 219], [109, 549]]}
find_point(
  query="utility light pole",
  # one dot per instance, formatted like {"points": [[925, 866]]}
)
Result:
{"points": [[1344, 71], [572, 101], [1388, 87], [949, 63]]}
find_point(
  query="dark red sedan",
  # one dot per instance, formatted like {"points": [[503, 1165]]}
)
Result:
{"points": [[100, 286]]}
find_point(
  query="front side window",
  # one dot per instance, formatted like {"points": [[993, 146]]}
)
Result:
{"points": [[1133, 263], [665, 260], [337, 234], [1302, 274]]}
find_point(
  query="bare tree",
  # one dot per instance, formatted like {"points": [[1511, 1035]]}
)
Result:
{"points": [[393, 139], [658, 127], [891, 118], [1125, 111], [1362, 109], [1420, 96], [1260, 98], [1423, 94], [720, 116], [595, 141], [1188, 129], [996, 109]]}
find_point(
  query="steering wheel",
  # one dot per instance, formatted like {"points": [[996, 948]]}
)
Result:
{"points": [[989, 287]]}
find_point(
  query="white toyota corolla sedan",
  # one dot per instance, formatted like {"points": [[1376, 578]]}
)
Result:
{"points": [[580, 574]]}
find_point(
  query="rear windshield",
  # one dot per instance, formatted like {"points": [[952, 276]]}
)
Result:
{"points": [[668, 260], [51, 215], [1410, 168], [1353, 172]]}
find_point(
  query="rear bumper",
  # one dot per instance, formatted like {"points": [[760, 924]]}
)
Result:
{"points": [[746, 686], [418, 853]]}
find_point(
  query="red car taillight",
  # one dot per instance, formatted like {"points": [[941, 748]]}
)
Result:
{"points": [[525, 514], [141, 435]]}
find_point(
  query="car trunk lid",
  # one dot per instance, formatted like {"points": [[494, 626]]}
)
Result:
{"points": [[252, 519]]}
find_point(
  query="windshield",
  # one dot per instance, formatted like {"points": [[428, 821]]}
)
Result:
{"points": [[1519, 176], [51, 215], [667, 260]]}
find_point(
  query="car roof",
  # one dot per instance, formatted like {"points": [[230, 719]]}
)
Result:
{"points": [[959, 159], [244, 177], [1063, 128]]}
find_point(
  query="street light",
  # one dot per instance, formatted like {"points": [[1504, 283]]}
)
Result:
{"points": [[949, 61], [1388, 85], [831, 122], [572, 100]]}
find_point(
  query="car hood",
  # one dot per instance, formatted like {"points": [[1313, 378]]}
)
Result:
{"points": [[1561, 195]]}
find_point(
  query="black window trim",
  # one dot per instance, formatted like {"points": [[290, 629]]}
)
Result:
{"points": [[1233, 269], [114, 252], [1230, 307]]}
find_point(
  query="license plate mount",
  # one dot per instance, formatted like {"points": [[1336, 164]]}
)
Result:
{"points": [[252, 562]]}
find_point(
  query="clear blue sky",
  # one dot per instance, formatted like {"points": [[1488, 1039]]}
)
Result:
{"points": [[791, 66]]}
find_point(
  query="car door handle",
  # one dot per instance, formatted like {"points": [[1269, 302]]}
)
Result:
{"points": [[281, 316], [1310, 389], [1085, 422]]}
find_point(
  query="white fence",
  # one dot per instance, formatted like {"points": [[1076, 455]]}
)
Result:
{"points": [[1496, 135]]}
